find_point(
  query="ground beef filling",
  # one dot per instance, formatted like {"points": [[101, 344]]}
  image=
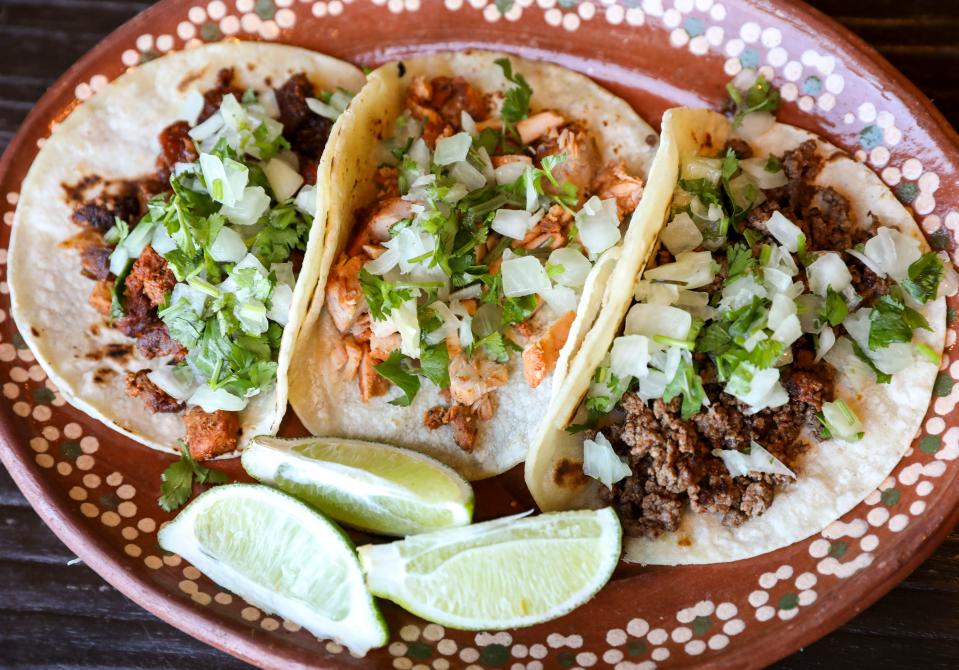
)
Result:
{"points": [[97, 204], [670, 458]]}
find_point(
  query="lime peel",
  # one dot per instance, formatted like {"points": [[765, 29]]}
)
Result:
{"points": [[281, 556], [374, 487], [512, 572]]}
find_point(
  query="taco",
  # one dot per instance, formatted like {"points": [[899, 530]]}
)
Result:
{"points": [[767, 369], [478, 202], [160, 258]]}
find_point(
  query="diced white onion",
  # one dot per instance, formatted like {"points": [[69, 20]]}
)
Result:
{"points": [[576, 267], [161, 241], [225, 180], [283, 273], [468, 124], [306, 200], [211, 400], [450, 150], [655, 293], [280, 301], [228, 247], [826, 271], [512, 223], [681, 234], [629, 356], [383, 263], [744, 193], [754, 339], [249, 209], [598, 225], [788, 331], [776, 280], [740, 292], [652, 320], [508, 173], [561, 299], [472, 291], [785, 231], [196, 299], [420, 154], [177, 382], [783, 306], [755, 125], [890, 359], [524, 275], [449, 326], [753, 389], [710, 169], [781, 259], [808, 306], [692, 269], [827, 338], [841, 421], [319, 107], [406, 322], [467, 175], [891, 253], [602, 463], [756, 168], [487, 320], [252, 317], [233, 113], [757, 460], [284, 180], [207, 128]]}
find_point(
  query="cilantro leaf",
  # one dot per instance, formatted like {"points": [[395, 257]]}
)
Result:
{"points": [[435, 363], [741, 261], [176, 482], [381, 296], [517, 310], [924, 277], [762, 96], [891, 321], [494, 346], [516, 102], [398, 370], [834, 309]]}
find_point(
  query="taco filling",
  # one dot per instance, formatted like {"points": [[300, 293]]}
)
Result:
{"points": [[197, 262], [723, 371], [487, 220]]}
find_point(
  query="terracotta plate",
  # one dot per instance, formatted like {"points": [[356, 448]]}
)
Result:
{"points": [[97, 490]]}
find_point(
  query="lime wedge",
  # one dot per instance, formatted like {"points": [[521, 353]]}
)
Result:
{"points": [[373, 487], [281, 556], [507, 573]]}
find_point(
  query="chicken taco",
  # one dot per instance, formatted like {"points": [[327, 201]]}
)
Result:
{"points": [[160, 258], [770, 365], [479, 203]]}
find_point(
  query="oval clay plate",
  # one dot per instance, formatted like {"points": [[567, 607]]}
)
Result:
{"points": [[98, 490]]}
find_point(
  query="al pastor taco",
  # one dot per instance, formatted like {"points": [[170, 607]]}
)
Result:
{"points": [[478, 207], [160, 259], [770, 365]]}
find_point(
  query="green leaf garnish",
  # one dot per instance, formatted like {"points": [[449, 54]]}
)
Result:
{"points": [[176, 482]]}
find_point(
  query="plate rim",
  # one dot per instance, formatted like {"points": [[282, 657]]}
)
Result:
{"points": [[219, 633]]}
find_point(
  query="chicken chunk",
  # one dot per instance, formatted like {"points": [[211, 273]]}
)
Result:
{"points": [[376, 228], [347, 354], [582, 156], [540, 358], [614, 182], [472, 378], [344, 295]]}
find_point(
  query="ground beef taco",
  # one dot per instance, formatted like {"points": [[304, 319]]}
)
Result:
{"points": [[160, 254], [768, 367], [479, 204]]}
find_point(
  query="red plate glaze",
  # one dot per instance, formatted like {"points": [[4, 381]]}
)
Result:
{"points": [[97, 490]]}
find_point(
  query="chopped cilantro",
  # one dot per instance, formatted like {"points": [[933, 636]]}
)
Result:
{"points": [[516, 102], [740, 261], [435, 363], [176, 482], [760, 97], [834, 309], [773, 164], [381, 296], [399, 370], [924, 277], [891, 321]]}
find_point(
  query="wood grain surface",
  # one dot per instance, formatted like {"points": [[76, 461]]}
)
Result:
{"points": [[56, 613]]}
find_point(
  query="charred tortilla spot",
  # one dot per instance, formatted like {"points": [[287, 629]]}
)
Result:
{"points": [[190, 78], [684, 541], [103, 376], [569, 474], [401, 68], [117, 351], [651, 140], [34, 331]]}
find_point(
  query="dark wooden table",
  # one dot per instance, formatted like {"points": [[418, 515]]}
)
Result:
{"points": [[58, 614]]}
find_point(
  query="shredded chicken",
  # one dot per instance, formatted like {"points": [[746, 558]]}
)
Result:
{"points": [[371, 383], [538, 125], [614, 182], [347, 353], [376, 227], [551, 231], [101, 297], [344, 296], [582, 156], [510, 158], [540, 358]]}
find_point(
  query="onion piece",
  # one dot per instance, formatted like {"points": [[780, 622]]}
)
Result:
{"points": [[681, 234], [561, 299], [892, 252], [471, 291], [788, 330], [161, 241], [785, 231], [512, 223], [757, 460], [755, 125], [195, 298], [249, 208], [174, 380], [508, 173], [629, 356], [827, 338], [783, 306], [228, 247], [841, 421], [468, 176], [283, 273], [284, 180], [655, 293], [523, 275], [602, 463], [691, 269], [210, 400], [322, 109], [306, 200], [751, 384], [890, 359], [740, 292], [208, 128], [468, 124], [405, 319], [756, 168], [192, 106], [225, 180], [383, 263], [575, 267], [653, 320], [828, 271], [598, 225], [776, 280], [450, 150], [700, 167]]}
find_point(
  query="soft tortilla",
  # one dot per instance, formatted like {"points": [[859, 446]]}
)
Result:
{"points": [[329, 405], [114, 135], [836, 475]]}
